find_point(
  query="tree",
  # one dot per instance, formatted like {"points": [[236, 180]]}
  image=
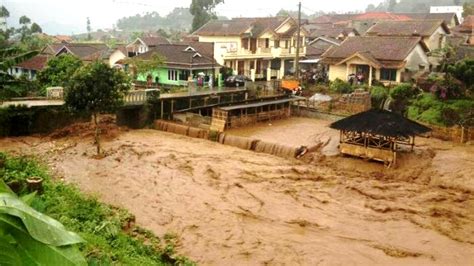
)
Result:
{"points": [[35, 28], [24, 30], [391, 5], [464, 72], [10, 57], [370, 8], [59, 71], [4, 13], [89, 29], [24, 20], [203, 11], [144, 67], [468, 10], [96, 88]]}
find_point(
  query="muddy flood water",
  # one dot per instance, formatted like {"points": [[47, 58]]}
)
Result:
{"points": [[229, 206]]}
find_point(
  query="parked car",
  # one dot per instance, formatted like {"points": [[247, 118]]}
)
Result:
{"points": [[236, 81]]}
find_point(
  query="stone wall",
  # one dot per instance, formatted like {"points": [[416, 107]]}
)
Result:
{"points": [[456, 134]]}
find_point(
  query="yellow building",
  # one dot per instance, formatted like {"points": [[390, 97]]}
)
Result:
{"points": [[260, 48], [385, 59]]}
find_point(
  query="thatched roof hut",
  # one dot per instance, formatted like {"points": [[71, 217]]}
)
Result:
{"points": [[377, 134], [381, 122]]}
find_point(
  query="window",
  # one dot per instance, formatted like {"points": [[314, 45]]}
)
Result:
{"points": [[267, 43], [16, 69], [172, 74], [287, 43], [276, 43], [184, 74], [388, 74]]}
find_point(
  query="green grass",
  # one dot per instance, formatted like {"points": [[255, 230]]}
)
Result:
{"points": [[427, 108], [110, 234]]}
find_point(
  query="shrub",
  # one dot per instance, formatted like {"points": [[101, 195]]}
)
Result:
{"points": [[429, 109], [340, 86], [400, 96], [378, 95]]}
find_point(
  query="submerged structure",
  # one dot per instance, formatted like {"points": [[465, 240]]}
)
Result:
{"points": [[377, 134]]}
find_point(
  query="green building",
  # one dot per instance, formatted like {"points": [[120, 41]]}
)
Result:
{"points": [[184, 63]]}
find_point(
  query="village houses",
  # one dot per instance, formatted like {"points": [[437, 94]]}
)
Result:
{"points": [[260, 48]]}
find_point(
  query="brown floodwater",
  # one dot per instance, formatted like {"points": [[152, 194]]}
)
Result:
{"points": [[229, 206]]}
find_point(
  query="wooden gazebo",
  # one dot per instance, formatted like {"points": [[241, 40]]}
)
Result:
{"points": [[377, 134]]}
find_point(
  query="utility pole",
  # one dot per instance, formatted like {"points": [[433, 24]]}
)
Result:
{"points": [[296, 64]]}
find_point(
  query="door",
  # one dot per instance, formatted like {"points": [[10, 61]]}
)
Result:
{"points": [[240, 67], [253, 45]]}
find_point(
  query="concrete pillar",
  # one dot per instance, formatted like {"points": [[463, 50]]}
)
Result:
{"points": [[269, 74], [370, 76], [252, 74], [282, 69]]}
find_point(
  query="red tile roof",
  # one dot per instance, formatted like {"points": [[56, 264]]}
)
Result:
{"points": [[35, 63], [381, 16]]}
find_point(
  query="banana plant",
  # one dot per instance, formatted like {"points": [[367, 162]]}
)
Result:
{"points": [[28, 237]]}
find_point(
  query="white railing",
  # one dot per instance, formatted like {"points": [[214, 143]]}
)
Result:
{"points": [[139, 96]]}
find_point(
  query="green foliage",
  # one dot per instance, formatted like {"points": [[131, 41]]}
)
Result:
{"points": [[179, 19], [111, 237], [59, 71], [468, 9], [379, 95], [96, 88], [34, 238], [144, 67], [401, 95], [203, 11], [428, 108], [340, 86], [464, 71], [447, 88], [9, 85]]}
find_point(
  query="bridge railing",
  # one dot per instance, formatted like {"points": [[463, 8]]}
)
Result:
{"points": [[138, 97]]}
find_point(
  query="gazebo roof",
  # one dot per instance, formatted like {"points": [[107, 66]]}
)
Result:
{"points": [[380, 122]]}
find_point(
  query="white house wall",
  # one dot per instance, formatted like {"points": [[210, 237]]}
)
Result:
{"points": [[416, 58]]}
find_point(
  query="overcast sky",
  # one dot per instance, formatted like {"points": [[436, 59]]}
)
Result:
{"points": [[69, 16]]}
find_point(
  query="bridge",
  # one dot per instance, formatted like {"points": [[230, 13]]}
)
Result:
{"points": [[55, 97]]}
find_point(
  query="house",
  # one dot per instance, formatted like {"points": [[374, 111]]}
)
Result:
{"points": [[87, 52], [330, 31], [182, 62], [432, 32], [29, 68], [386, 59], [62, 38], [448, 9], [116, 55], [260, 48], [362, 22], [451, 19], [465, 31], [143, 44], [317, 47]]}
